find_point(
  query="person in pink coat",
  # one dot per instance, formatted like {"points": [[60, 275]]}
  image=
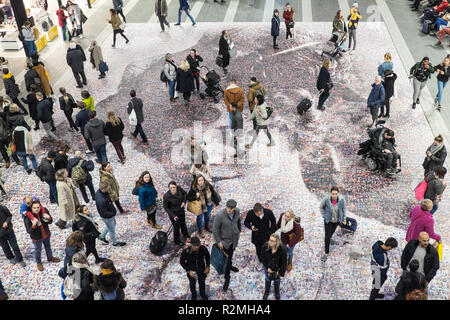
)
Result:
{"points": [[422, 220]]}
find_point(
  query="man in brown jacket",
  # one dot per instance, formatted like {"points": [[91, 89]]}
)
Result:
{"points": [[255, 88], [233, 94], [161, 13]]}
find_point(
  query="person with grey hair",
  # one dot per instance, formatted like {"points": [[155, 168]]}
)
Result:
{"points": [[81, 176], [81, 271], [97, 58], [170, 71], [75, 59], [375, 100], [67, 198], [226, 230]]}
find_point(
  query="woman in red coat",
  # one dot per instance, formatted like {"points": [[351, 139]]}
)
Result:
{"points": [[288, 16], [291, 233]]}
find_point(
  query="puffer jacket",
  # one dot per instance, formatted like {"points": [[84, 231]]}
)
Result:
{"points": [[234, 94], [147, 196], [11, 88], [253, 89]]}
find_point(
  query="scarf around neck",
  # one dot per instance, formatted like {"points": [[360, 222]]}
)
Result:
{"points": [[287, 227]]}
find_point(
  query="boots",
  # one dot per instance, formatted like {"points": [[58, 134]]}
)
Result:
{"points": [[267, 290], [277, 289], [289, 266]]}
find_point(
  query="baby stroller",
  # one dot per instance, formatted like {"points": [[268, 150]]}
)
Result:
{"points": [[375, 159], [334, 46], [212, 81]]}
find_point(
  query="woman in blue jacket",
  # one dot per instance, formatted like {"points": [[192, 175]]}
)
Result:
{"points": [[147, 198], [275, 30]]}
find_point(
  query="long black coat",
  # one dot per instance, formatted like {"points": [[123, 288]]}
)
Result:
{"points": [[323, 79], [5, 216], [195, 261], [436, 161], [75, 59], [388, 84], [185, 81], [61, 161], [275, 261], [223, 47], [32, 103], [46, 171], [266, 226], [11, 87], [114, 133], [29, 77], [138, 106], [431, 260]]}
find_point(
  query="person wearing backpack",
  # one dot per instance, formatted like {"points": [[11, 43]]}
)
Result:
{"points": [[114, 130], [46, 172], [12, 89], [137, 105], [110, 282], [67, 104], [24, 148], [147, 198], [67, 198], [255, 88], [8, 238], [174, 201], [233, 94], [79, 169], [291, 234], [107, 175], [37, 225], [260, 113], [89, 227], [420, 73], [79, 282], [170, 72]]}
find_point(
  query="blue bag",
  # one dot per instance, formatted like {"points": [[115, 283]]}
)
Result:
{"points": [[103, 67], [219, 259], [351, 225]]}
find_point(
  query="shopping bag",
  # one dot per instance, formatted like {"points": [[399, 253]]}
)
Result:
{"points": [[195, 207], [419, 191], [439, 250], [132, 118], [219, 259]]}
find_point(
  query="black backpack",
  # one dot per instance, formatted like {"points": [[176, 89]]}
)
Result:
{"points": [[159, 241], [163, 77], [269, 112]]}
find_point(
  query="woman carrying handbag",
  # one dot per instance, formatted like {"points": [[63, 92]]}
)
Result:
{"points": [[288, 15]]}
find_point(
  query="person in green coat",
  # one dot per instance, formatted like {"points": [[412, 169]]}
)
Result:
{"points": [[107, 176]]}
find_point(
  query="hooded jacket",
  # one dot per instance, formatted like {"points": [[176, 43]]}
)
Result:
{"points": [[11, 88], [379, 256], [253, 89], [94, 131], [110, 179], [430, 263], [421, 221], [115, 22], [16, 119], [354, 17], [234, 94]]}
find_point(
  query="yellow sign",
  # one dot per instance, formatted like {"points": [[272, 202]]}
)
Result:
{"points": [[41, 43], [92, 1], [53, 33]]}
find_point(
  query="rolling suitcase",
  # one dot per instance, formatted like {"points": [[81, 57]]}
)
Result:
{"points": [[350, 226], [159, 241], [306, 104]]}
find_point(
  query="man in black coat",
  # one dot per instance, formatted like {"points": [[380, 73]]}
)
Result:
{"points": [[196, 261], [425, 253], [62, 160], [262, 222], [44, 114], [12, 89], [75, 58], [8, 239], [174, 202], [31, 77], [137, 105], [46, 172], [86, 165], [81, 119]]}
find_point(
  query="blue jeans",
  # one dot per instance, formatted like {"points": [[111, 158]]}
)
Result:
{"points": [[139, 130], [187, 13], [435, 207], [206, 215], [110, 226], [290, 253], [172, 88], [31, 47], [38, 249], [441, 86], [100, 151], [23, 157], [267, 276], [53, 192], [230, 114]]}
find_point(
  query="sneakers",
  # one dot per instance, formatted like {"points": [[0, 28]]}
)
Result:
{"points": [[177, 24], [127, 41], [119, 244], [324, 257], [194, 23], [439, 108], [436, 101], [29, 171], [89, 151], [103, 240], [418, 101]]}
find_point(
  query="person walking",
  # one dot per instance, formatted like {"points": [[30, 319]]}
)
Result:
{"points": [[194, 60], [174, 202], [67, 104], [15, 118], [87, 225], [184, 6], [147, 198], [324, 83], [12, 89], [5, 140], [75, 60], [8, 240], [420, 73], [68, 202], [386, 65], [185, 81], [110, 283], [170, 71], [435, 155], [62, 21], [379, 264], [81, 119], [29, 38], [46, 172], [422, 220], [233, 94], [195, 260], [224, 50], [107, 212], [273, 256], [79, 171], [114, 130], [62, 159], [333, 210], [118, 6], [37, 225], [375, 100], [262, 121], [115, 23], [410, 281], [442, 79], [76, 16], [288, 16], [96, 58], [255, 88], [161, 13], [44, 78], [275, 29], [88, 100], [353, 18], [45, 112], [32, 103], [262, 223], [226, 230], [388, 84], [202, 191], [291, 234], [237, 127], [74, 244], [435, 187], [24, 148], [94, 131], [31, 77], [137, 105], [107, 176]]}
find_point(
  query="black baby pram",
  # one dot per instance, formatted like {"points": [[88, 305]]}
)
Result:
{"points": [[334, 46], [212, 82]]}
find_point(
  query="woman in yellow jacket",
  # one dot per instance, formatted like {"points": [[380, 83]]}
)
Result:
{"points": [[354, 17], [115, 23]]}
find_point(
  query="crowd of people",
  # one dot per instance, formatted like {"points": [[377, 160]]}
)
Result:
{"points": [[274, 240]]}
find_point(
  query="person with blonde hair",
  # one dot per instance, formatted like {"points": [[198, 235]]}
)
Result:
{"points": [[291, 233], [67, 198], [324, 83], [273, 257], [422, 220], [386, 65], [15, 118], [114, 130], [185, 81]]}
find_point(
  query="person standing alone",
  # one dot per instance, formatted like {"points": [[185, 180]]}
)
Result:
{"points": [[161, 13], [275, 30], [137, 105]]}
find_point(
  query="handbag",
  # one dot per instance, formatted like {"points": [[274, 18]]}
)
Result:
{"points": [[439, 250], [219, 259], [132, 117], [419, 191], [291, 24], [219, 60], [83, 17], [330, 85], [195, 207], [159, 204], [103, 67]]}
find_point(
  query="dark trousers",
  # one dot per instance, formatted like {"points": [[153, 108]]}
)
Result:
{"points": [[254, 124], [201, 284], [70, 119], [100, 152], [120, 11], [53, 192], [226, 61], [197, 82], [20, 105], [8, 242], [186, 95], [77, 78], [392, 159], [323, 97], [229, 252], [115, 32], [90, 248], [88, 142], [163, 21], [151, 215], [275, 41], [138, 129], [89, 4], [385, 108], [255, 136], [89, 184], [4, 144], [258, 247], [288, 32], [374, 114], [119, 149], [330, 228], [178, 225]]}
